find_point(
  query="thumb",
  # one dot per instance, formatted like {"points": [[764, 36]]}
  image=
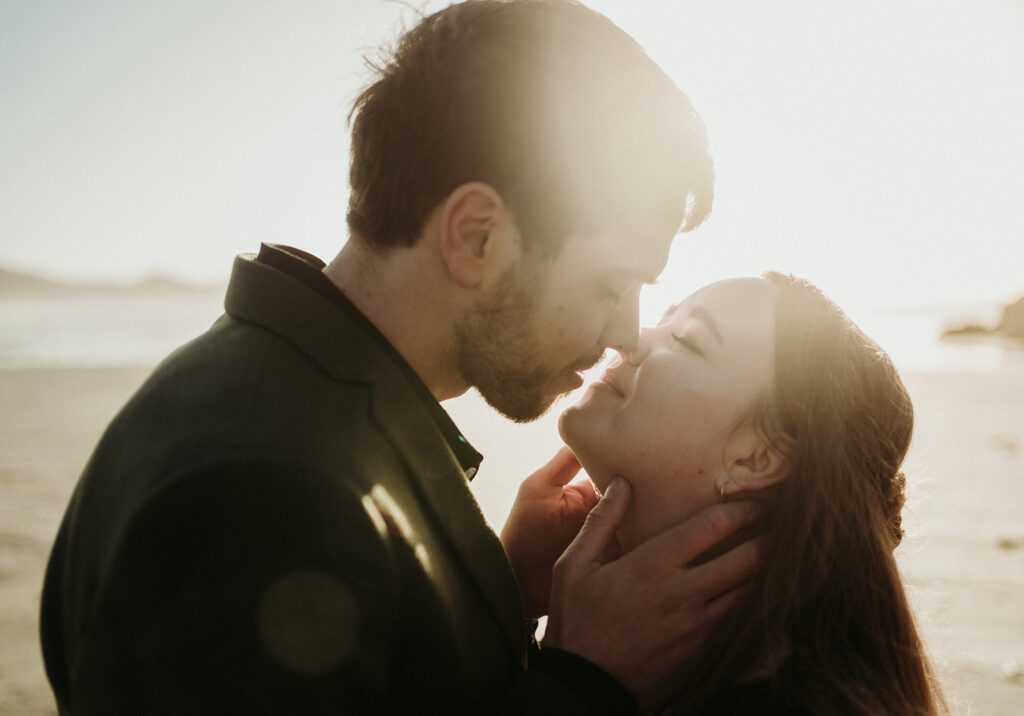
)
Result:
{"points": [[560, 469], [598, 531]]}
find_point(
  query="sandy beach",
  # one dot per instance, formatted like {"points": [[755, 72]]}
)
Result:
{"points": [[963, 556]]}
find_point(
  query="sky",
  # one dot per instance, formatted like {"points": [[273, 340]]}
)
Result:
{"points": [[875, 148]]}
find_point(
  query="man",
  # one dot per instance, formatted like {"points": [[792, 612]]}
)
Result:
{"points": [[279, 520]]}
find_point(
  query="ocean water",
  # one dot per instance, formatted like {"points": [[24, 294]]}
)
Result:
{"points": [[139, 329], [101, 329], [913, 338]]}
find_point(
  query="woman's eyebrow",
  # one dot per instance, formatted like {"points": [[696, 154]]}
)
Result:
{"points": [[669, 311], [704, 316]]}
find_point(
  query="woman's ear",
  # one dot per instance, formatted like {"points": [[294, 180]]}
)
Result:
{"points": [[478, 237], [751, 462]]}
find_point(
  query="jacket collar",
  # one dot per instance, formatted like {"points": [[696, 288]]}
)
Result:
{"points": [[263, 295], [308, 270]]}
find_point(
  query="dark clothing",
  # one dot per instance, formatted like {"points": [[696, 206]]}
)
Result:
{"points": [[308, 270], [279, 522], [754, 697], [778, 695]]}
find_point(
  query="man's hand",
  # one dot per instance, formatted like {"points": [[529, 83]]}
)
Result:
{"points": [[643, 616], [546, 515]]}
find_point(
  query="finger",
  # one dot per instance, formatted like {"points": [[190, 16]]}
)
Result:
{"points": [[682, 543], [722, 605], [612, 551], [579, 497], [721, 575], [598, 530], [560, 469], [585, 491]]}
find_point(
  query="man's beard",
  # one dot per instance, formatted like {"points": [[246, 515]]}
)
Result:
{"points": [[497, 350]]}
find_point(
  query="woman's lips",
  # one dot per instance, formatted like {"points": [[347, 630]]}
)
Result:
{"points": [[607, 383]]}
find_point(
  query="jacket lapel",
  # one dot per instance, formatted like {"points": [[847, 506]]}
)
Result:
{"points": [[440, 478], [263, 295]]}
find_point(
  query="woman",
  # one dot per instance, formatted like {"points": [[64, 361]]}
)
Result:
{"points": [[763, 388]]}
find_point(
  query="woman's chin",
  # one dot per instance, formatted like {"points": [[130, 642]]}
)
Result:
{"points": [[585, 439], [578, 429], [599, 480], [566, 424]]}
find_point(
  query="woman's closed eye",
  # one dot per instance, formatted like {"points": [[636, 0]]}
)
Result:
{"points": [[687, 341]]}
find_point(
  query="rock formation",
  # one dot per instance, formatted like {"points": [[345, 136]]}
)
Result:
{"points": [[1012, 323]]}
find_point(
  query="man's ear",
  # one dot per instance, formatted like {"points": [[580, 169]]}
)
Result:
{"points": [[751, 461], [478, 236]]}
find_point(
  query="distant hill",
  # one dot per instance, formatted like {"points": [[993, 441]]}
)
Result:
{"points": [[16, 284], [1011, 324]]}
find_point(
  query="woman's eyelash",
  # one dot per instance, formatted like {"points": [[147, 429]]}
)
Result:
{"points": [[686, 341]]}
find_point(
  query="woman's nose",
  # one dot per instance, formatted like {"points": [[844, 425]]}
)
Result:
{"points": [[640, 349]]}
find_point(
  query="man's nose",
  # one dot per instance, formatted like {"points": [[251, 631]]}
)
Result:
{"points": [[623, 326], [641, 348]]}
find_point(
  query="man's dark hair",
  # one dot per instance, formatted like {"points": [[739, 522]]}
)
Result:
{"points": [[547, 101]]}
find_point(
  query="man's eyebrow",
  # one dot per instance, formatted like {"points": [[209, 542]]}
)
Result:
{"points": [[704, 315]]}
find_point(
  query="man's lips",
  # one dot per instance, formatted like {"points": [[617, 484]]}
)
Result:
{"points": [[585, 364]]}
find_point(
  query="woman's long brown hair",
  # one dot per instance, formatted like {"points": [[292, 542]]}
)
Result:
{"points": [[826, 618]]}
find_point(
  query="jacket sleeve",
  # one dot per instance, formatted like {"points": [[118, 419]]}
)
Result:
{"points": [[583, 687], [542, 693], [246, 586], [253, 587]]}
